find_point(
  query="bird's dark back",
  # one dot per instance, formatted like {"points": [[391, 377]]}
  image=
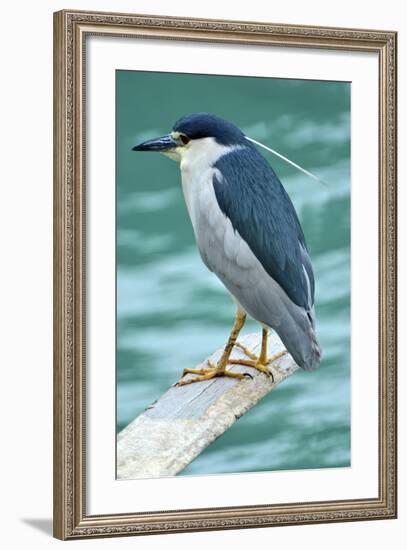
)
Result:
{"points": [[259, 208]]}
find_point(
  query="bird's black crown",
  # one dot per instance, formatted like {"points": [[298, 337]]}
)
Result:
{"points": [[201, 125]]}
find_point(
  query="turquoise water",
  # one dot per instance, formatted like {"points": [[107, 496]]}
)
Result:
{"points": [[172, 312]]}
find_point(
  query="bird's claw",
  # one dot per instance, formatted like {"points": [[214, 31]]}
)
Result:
{"points": [[211, 372], [261, 367], [216, 370]]}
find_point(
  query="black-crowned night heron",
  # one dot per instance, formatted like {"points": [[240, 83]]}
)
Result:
{"points": [[248, 234]]}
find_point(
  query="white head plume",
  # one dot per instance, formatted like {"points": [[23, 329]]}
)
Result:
{"points": [[286, 159]]}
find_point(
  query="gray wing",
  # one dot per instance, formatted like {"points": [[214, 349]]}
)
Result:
{"points": [[250, 194]]}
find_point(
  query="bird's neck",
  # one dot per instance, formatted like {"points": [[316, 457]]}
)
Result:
{"points": [[202, 155]]}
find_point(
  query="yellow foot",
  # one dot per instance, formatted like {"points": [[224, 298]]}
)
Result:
{"points": [[257, 362], [208, 373], [246, 351]]}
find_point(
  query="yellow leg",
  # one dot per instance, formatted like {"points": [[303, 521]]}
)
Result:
{"points": [[260, 362], [263, 352], [220, 368]]}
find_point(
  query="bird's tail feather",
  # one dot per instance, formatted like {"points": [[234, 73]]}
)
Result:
{"points": [[313, 359], [301, 342]]}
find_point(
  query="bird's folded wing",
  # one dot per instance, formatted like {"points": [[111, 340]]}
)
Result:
{"points": [[251, 196]]}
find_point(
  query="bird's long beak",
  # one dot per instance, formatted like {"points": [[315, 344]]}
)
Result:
{"points": [[157, 144]]}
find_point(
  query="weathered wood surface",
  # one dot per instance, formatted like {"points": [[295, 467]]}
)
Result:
{"points": [[186, 419]]}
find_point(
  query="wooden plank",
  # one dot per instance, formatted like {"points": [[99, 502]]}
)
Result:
{"points": [[186, 419]]}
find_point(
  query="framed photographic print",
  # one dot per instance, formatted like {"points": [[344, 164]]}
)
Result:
{"points": [[225, 324]]}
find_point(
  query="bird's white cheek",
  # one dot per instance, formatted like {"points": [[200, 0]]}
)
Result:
{"points": [[173, 154]]}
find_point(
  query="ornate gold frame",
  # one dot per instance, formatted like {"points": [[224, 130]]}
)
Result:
{"points": [[70, 31]]}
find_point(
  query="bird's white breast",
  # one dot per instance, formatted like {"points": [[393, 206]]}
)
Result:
{"points": [[221, 247]]}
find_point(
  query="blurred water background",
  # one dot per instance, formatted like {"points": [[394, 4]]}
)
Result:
{"points": [[172, 312]]}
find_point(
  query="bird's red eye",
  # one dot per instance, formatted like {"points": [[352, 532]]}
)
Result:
{"points": [[185, 139]]}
